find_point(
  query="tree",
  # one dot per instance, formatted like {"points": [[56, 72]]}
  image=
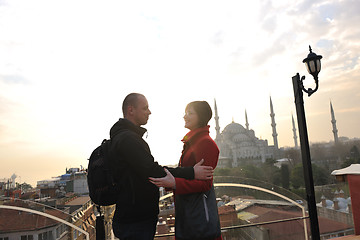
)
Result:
{"points": [[251, 171], [285, 176], [272, 174], [293, 155], [246, 171], [354, 153], [297, 176], [353, 157], [347, 162], [222, 171], [320, 176], [318, 151]]}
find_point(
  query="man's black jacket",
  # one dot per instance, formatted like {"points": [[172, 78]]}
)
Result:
{"points": [[132, 165]]}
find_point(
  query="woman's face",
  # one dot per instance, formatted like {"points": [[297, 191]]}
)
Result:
{"points": [[191, 119]]}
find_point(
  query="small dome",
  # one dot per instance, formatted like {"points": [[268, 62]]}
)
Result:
{"points": [[329, 203], [342, 203]]}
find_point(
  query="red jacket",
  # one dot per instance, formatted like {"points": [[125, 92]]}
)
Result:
{"points": [[197, 145]]}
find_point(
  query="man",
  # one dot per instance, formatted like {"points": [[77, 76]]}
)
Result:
{"points": [[137, 209]]}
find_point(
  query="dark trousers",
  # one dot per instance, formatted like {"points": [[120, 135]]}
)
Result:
{"points": [[142, 230]]}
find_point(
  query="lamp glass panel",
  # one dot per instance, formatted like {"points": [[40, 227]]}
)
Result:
{"points": [[307, 67], [312, 67], [318, 65]]}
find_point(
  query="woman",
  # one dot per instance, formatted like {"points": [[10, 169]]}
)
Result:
{"points": [[198, 145]]}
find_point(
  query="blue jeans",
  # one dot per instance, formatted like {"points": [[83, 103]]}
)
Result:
{"points": [[143, 230]]}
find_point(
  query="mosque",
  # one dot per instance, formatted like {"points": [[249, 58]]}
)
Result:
{"points": [[239, 146]]}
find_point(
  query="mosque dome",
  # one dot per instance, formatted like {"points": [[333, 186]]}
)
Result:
{"points": [[234, 128], [239, 144], [236, 136]]}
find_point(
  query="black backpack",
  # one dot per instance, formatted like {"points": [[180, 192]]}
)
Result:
{"points": [[103, 189]]}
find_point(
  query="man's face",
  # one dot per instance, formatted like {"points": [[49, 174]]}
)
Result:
{"points": [[141, 111]]}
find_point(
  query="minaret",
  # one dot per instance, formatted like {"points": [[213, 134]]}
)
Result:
{"points": [[333, 121], [273, 125], [217, 127], [294, 132], [246, 120]]}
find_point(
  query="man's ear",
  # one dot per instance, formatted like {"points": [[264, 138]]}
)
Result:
{"points": [[130, 110]]}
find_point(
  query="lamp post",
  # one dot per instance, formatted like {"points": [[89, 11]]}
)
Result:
{"points": [[313, 66]]}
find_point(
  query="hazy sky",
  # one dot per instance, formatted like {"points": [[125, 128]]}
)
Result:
{"points": [[66, 66]]}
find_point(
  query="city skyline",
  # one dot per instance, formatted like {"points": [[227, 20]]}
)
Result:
{"points": [[65, 68]]}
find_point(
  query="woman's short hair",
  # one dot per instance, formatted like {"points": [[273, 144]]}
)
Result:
{"points": [[203, 110]]}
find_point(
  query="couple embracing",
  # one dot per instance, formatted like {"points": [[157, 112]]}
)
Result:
{"points": [[137, 210]]}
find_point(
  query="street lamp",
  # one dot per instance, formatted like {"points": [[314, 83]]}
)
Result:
{"points": [[313, 66]]}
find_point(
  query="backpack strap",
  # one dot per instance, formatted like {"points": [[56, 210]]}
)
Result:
{"points": [[105, 148], [111, 162]]}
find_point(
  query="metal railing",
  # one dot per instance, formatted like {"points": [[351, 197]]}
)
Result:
{"points": [[266, 189], [46, 215], [303, 217]]}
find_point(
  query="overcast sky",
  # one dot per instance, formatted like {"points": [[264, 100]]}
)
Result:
{"points": [[66, 66]]}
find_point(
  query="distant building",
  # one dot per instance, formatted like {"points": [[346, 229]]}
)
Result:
{"points": [[16, 225], [239, 145], [80, 183], [48, 187], [74, 180], [78, 211], [7, 184], [338, 203], [281, 162], [82, 214]]}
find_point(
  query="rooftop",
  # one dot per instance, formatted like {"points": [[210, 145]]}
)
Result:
{"points": [[17, 221]]}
